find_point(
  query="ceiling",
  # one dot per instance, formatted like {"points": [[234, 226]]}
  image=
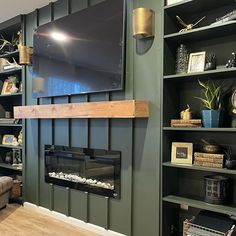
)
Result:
{"points": [[11, 8]]}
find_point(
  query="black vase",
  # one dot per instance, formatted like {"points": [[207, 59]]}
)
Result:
{"points": [[230, 164]]}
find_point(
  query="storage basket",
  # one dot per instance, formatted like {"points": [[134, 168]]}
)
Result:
{"points": [[190, 229], [16, 190]]}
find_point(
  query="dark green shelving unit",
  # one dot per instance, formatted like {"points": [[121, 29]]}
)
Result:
{"points": [[183, 185], [8, 101], [229, 210]]}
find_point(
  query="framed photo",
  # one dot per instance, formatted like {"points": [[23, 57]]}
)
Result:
{"points": [[182, 153], [196, 62], [8, 139]]}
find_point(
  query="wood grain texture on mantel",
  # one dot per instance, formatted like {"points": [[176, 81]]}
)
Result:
{"points": [[106, 109]]}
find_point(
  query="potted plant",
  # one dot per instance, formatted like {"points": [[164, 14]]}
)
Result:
{"points": [[211, 113]]}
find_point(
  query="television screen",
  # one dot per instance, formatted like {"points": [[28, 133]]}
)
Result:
{"points": [[81, 53]]}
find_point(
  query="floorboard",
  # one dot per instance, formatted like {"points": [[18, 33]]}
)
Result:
{"points": [[16, 220]]}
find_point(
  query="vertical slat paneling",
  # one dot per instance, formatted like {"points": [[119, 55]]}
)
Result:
{"points": [[79, 138], [45, 125], [61, 126], [147, 132], [120, 210], [98, 137], [31, 168]]}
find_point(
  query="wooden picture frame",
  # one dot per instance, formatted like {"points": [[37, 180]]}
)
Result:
{"points": [[196, 62], [182, 153], [8, 139]]}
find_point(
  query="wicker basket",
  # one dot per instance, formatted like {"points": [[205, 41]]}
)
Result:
{"points": [[190, 229], [16, 190]]}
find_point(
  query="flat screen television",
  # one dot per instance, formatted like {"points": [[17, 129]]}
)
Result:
{"points": [[81, 53]]}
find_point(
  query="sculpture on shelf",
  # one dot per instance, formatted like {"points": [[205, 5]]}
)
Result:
{"points": [[188, 26], [210, 61], [186, 114], [231, 62], [20, 138]]}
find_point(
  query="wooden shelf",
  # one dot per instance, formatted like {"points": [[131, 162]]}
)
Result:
{"points": [[202, 33], [10, 167], [200, 129], [107, 109], [200, 168], [229, 210], [222, 73]]}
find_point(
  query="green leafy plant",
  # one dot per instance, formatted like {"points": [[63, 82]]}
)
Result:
{"points": [[212, 95]]}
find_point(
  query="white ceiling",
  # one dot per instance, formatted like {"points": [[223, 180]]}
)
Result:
{"points": [[11, 8]]}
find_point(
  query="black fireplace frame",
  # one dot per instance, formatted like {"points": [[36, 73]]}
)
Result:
{"points": [[101, 155]]}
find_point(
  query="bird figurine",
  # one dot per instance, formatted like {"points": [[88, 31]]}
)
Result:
{"points": [[188, 26]]}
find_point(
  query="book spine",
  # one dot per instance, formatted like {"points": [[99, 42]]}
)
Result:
{"points": [[193, 121], [208, 164], [208, 155], [185, 125], [209, 159]]}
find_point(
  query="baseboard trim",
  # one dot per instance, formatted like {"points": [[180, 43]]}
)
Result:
{"points": [[72, 221]]}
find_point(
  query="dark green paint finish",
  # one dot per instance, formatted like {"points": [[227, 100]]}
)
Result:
{"points": [[137, 140], [78, 203], [31, 165], [60, 203]]}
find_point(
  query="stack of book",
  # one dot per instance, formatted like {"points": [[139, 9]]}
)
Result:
{"points": [[186, 123], [208, 160]]}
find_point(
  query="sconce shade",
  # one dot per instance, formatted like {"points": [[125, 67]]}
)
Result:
{"points": [[143, 23], [25, 54]]}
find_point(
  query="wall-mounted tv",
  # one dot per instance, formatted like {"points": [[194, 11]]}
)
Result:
{"points": [[83, 52]]}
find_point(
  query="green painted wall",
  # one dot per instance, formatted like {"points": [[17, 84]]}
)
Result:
{"points": [[137, 213]]}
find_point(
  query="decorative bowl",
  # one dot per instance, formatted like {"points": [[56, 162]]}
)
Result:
{"points": [[210, 148]]}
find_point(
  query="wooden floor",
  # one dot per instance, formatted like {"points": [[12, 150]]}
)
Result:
{"points": [[16, 220]]}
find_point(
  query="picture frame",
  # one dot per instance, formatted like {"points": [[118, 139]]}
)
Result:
{"points": [[9, 87], [196, 62], [182, 153], [8, 139]]}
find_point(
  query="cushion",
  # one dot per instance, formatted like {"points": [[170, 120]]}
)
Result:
{"points": [[6, 184]]}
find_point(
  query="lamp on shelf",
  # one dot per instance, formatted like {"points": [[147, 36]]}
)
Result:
{"points": [[143, 23]]}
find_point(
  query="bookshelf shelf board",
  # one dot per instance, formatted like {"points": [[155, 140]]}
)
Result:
{"points": [[10, 146], [192, 6], [206, 32], [200, 129], [8, 166], [10, 95], [229, 210], [199, 168], [222, 73], [8, 72]]}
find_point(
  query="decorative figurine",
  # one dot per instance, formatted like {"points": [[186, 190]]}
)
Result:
{"points": [[210, 61], [186, 114], [188, 26], [231, 62], [20, 137]]}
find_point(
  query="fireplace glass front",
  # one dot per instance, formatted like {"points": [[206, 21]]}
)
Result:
{"points": [[89, 170]]}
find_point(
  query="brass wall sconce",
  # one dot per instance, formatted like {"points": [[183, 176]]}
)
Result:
{"points": [[25, 55], [143, 23]]}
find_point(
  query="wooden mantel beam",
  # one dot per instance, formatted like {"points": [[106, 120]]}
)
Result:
{"points": [[107, 109]]}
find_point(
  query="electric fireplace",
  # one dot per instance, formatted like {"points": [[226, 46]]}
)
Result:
{"points": [[90, 170]]}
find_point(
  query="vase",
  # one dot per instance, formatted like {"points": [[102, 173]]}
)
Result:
{"points": [[211, 118], [181, 59], [230, 164]]}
